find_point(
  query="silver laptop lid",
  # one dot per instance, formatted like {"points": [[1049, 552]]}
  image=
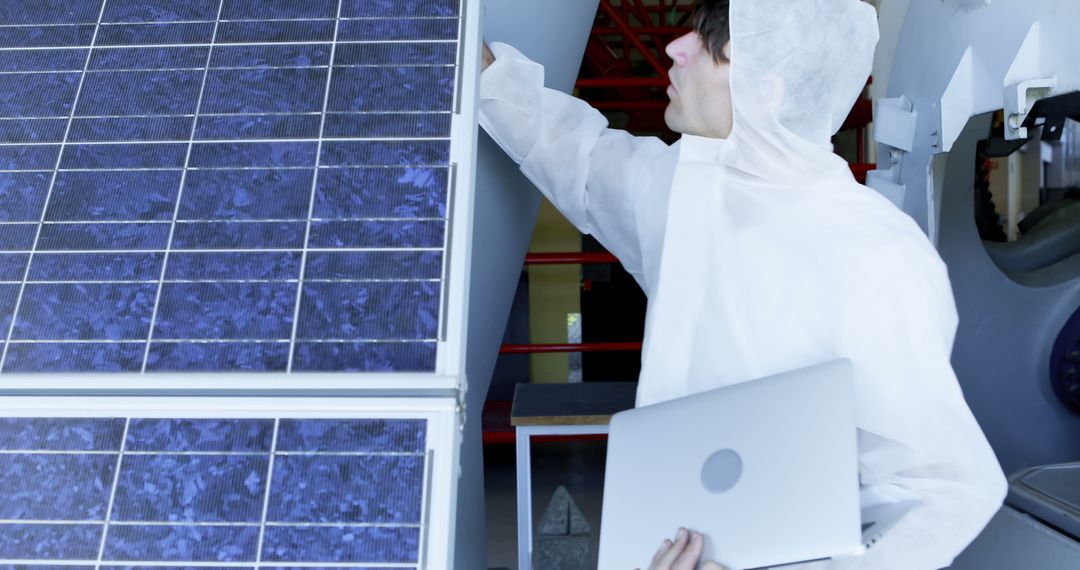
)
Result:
{"points": [[766, 469]]}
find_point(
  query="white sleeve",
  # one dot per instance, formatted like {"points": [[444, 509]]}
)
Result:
{"points": [[606, 182], [917, 434]]}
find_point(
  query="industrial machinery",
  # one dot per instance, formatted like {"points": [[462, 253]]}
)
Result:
{"points": [[964, 81]]}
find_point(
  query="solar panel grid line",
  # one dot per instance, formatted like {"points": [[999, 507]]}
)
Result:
{"points": [[152, 565], [233, 68], [444, 307], [48, 195], [180, 190], [198, 453], [4, 49], [231, 250], [216, 141], [35, 565], [180, 22], [229, 341], [214, 168], [191, 281], [266, 494], [270, 524], [311, 202], [248, 168], [459, 77], [331, 113], [237, 68], [115, 481], [444, 311], [425, 506], [412, 30]]}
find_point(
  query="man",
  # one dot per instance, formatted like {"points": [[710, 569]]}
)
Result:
{"points": [[759, 252]]}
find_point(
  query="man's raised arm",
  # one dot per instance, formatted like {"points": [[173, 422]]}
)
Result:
{"points": [[606, 182]]}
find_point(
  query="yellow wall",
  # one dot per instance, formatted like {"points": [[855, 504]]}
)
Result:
{"points": [[554, 292], [1014, 183]]}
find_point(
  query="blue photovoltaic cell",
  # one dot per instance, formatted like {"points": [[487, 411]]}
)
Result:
{"points": [[231, 265], [102, 129], [12, 266], [43, 60], [41, 356], [106, 195], [40, 157], [159, 10], [91, 237], [211, 356], [239, 235], [51, 11], [378, 489], [142, 58], [225, 435], [341, 491], [399, 29], [78, 486], [60, 434], [122, 156], [46, 36], [90, 311], [352, 435], [266, 56], [32, 130], [113, 34], [279, 9], [98, 266], [341, 544], [400, 8], [276, 32], [224, 185], [229, 488], [208, 311]]}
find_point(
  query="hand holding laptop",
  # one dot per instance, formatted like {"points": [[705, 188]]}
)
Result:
{"points": [[683, 554], [729, 476]]}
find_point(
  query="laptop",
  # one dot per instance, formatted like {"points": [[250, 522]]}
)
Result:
{"points": [[767, 470]]}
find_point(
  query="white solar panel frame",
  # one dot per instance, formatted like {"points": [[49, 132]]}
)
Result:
{"points": [[442, 441], [435, 396], [448, 376]]}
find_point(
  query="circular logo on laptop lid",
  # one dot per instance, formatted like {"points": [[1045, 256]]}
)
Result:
{"points": [[721, 471]]}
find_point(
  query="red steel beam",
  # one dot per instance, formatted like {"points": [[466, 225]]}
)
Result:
{"points": [[860, 170], [628, 105], [686, 8], [577, 347], [640, 30], [510, 437], [644, 19], [575, 258], [861, 115], [623, 82], [629, 35]]}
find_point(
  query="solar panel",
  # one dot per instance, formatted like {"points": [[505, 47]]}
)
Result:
{"points": [[225, 185], [261, 186], [232, 488]]}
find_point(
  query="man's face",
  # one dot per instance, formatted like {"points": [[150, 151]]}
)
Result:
{"points": [[700, 92]]}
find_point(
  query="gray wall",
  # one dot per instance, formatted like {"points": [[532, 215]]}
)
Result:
{"points": [[552, 32]]}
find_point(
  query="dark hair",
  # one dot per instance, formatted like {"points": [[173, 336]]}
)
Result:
{"points": [[711, 22]]}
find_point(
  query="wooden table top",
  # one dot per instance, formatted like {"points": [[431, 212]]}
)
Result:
{"points": [[588, 403]]}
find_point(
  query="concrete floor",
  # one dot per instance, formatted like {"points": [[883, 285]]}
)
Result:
{"points": [[576, 465]]}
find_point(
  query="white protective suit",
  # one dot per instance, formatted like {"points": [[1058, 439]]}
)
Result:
{"points": [[760, 253]]}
